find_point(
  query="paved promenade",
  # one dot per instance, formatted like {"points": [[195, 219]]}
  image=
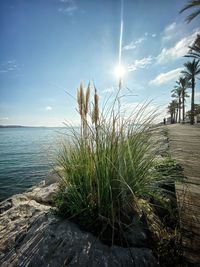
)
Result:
{"points": [[184, 144]]}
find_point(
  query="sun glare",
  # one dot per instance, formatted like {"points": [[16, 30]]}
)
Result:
{"points": [[119, 71]]}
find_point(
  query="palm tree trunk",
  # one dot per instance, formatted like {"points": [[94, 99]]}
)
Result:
{"points": [[192, 102], [179, 109], [183, 111], [176, 114], [183, 100]]}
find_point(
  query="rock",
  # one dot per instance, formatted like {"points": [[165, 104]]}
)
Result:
{"points": [[52, 242], [19, 211], [43, 194], [136, 235], [5, 205], [31, 235]]}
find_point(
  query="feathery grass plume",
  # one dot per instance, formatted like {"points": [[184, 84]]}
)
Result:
{"points": [[86, 109], [83, 107], [80, 99], [95, 113], [107, 177], [87, 98]]}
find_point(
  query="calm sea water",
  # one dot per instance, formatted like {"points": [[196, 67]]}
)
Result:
{"points": [[26, 157]]}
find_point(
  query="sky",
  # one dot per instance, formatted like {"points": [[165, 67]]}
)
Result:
{"points": [[48, 46]]}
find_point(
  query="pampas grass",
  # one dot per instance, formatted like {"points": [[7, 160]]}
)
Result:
{"points": [[109, 169]]}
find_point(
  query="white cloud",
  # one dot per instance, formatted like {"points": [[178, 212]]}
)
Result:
{"points": [[49, 108], [169, 31], [140, 63], [197, 95], [68, 7], [179, 50], [174, 32], [165, 77], [140, 40], [109, 90], [149, 110], [129, 46], [3, 71], [133, 44], [69, 10], [10, 65], [170, 27]]}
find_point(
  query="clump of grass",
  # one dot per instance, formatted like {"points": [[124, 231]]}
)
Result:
{"points": [[108, 169]]}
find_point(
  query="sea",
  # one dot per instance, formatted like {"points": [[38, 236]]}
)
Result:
{"points": [[27, 156]]}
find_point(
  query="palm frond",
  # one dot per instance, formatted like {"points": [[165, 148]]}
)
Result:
{"points": [[195, 48], [191, 4], [192, 16], [193, 55]]}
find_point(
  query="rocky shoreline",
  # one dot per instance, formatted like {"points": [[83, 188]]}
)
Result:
{"points": [[32, 235]]}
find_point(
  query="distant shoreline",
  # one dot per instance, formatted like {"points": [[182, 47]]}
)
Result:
{"points": [[13, 126], [20, 126], [46, 127]]}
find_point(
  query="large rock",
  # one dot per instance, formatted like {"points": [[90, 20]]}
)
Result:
{"points": [[31, 235], [136, 234], [16, 215], [43, 194], [50, 241]]}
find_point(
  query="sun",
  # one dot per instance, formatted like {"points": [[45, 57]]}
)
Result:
{"points": [[119, 71]]}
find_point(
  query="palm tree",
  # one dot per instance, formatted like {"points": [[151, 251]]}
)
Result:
{"points": [[195, 49], [192, 70], [183, 84], [192, 4], [177, 92], [196, 110], [172, 109]]}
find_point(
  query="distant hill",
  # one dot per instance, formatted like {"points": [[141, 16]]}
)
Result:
{"points": [[20, 126], [12, 126]]}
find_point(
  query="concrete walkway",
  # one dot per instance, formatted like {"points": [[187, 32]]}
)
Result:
{"points": [[184, 145]]}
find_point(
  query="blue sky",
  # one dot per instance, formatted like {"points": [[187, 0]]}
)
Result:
{"points": [[48, 46]]}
